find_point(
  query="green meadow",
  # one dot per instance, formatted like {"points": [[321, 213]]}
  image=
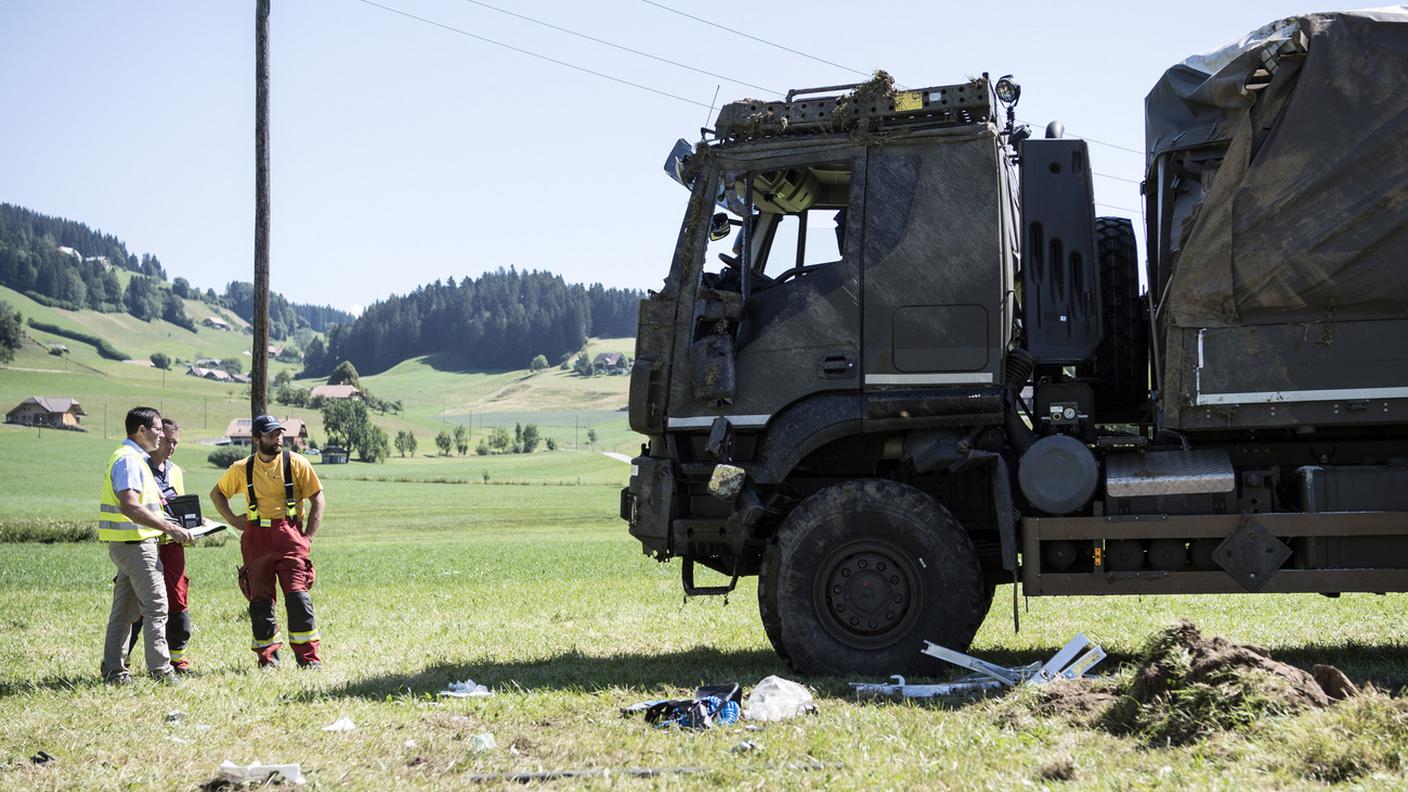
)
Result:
{"points": [[515, 571]]}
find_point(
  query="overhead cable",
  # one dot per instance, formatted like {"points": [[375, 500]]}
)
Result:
{"points": [[621, 47], [664, 7], [530, 53], [1118, 208]]}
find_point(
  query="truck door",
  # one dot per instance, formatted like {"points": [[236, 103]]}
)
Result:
{"points": [[937, 263], [800, 329]]}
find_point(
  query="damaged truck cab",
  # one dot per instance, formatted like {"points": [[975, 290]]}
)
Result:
{"points": [[898, 360]]}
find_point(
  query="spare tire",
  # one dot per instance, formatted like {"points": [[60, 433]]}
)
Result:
{"points": [[1119, 374]]}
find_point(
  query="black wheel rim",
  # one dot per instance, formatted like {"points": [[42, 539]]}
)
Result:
{"points": [[868, 593]]}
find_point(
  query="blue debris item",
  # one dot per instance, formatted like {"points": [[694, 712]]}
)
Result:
{"points": [[712, 705]]}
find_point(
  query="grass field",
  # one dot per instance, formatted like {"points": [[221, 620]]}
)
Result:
{"points": [[514, 571]]}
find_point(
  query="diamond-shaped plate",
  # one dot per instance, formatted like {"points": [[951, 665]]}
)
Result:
{"points": [[1251, 554]]}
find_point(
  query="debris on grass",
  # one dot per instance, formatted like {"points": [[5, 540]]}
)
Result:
{"points": [[775, 699], [342, 724], [466, 689], [42, 758], [746, 746], [484, 742], [229, 773], [175, 716], [712, 705]]}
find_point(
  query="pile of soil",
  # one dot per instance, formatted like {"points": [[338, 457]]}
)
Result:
{"points": [[1187, 686]]}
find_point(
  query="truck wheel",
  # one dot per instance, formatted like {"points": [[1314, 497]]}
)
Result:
{"points": [[1121, 365], [861, 574]]}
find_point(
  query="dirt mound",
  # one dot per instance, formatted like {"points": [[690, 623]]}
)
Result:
{"points": [[1186, 687], [1181, 658]]}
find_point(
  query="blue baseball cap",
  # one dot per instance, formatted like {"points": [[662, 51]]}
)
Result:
{"points": [[265, 424]]}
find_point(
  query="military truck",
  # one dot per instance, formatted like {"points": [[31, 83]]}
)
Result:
{"points": [[898, 360]]}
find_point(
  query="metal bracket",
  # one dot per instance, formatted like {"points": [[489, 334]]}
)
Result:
{"points": [[691, 590], [1251, 554], [1073, 661]]}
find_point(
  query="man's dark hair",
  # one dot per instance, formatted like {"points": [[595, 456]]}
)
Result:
{"points": [[168, 424], [137, 417]]}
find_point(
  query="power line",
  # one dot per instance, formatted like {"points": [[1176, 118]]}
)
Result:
{"points": [[1091, 139], [621, 47], [530, 53], [1118, 208], [1116, 178], [755, 38], [809, 56]]}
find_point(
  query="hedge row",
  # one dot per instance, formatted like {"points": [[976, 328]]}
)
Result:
{"points": [[104, 348]]}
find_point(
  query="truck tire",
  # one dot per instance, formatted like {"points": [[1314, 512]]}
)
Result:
{"points": [[860, 574], [1120, 371]]}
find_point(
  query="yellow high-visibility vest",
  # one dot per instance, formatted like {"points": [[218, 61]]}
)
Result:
{"points": [[175, 477], [113, 525]]}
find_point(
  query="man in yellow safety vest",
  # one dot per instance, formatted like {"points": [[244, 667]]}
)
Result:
{"points": [[130, 521], [171, 481]]}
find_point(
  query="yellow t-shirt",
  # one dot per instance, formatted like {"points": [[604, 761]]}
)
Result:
{"points": [[269, 483]]}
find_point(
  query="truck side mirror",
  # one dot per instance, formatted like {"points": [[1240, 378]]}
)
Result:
{"points": [[674, 164]]}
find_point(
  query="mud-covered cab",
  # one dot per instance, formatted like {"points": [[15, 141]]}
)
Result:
{"points": [[847, 256]]}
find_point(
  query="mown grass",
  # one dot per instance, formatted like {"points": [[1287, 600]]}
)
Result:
{"points": [[538, 591]]}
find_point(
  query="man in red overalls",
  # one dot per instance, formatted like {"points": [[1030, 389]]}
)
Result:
{"points": [[276, 540]]}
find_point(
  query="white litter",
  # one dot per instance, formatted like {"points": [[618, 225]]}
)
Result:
{"points": [[465, 689], [343, 724], [175, 716], [484, 742], [775, 699], [260, 773], [410, 743]]}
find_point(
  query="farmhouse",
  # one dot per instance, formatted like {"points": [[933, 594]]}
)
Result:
{"points": [[216, 323], [335, 392], [219, 375], [610, 363], [295, 432], [58, 412]]}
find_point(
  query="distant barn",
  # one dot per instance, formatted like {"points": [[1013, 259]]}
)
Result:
{"points": [[56, 412]]}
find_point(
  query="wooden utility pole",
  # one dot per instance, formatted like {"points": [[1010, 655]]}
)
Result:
{"points": [[259, 372]]}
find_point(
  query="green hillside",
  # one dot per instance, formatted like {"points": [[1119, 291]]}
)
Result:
{"points": [[135, 337], [435, 393]]}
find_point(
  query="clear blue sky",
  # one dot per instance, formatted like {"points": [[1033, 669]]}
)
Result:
{"points": [[404, 152]]}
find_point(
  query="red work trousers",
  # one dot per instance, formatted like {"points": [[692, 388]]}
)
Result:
{"points": [[178, 620], [279, 552]]}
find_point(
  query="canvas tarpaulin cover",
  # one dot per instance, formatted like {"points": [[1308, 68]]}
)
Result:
{"points": [[1306, 219]]}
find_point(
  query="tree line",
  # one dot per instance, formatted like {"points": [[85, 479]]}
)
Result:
{"points": [[502, 319], [35, 260]]}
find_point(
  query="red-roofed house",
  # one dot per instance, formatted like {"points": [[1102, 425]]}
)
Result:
{"points": [[295, 431]]}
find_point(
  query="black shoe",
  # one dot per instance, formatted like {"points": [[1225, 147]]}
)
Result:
{"points": [[117, 680], [311, 665], [167, 677]]}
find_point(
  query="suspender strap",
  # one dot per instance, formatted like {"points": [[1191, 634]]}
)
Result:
{"points": [[290, 505], [252, 504]]}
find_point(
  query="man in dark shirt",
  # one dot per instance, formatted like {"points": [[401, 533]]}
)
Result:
{"points": [[170, 479]]}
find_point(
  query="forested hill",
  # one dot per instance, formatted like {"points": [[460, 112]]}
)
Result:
{"points": [[66, 264], [502, 319]]}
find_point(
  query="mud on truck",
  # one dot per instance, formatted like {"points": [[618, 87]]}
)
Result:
{"points": [[897, 359]]}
